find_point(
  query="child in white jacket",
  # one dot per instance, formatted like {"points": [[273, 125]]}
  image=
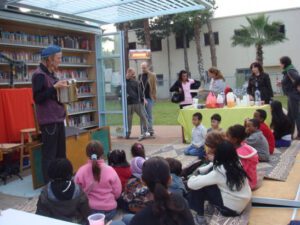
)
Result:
{"points": [[226, 186]]}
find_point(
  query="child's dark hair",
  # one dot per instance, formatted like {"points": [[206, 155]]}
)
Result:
{"points": [[238, 132], [278, 116], [60, 170], [117, 158], [255, 123], [262, 114], [94, 150], [137, 149], [198, 115], [226, 156], [156, 175], [175, 166], [216, 117]]}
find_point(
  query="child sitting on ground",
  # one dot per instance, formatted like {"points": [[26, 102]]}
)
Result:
{"points": [[257, 140], [99, 181], [261, 116], [226, 186], [117, 160], [136, 195], [215, 123], [177, 185], [137, 149], [281, 125], [198, 138], [248, 155], [62, 199]]}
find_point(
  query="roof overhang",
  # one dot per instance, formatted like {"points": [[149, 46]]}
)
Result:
{"points": [[110, 11]]}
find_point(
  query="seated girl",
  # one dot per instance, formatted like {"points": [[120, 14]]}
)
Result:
{"points": [[136, 194], [166, 208], [177, 185], [117, 160], [137, 149], [99, 181], [62, 199], [281, 125], [248, 155], [226, 186]]}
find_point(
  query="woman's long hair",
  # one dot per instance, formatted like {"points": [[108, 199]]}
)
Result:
{"points": [[278, 116], [156, 175], [180, 75], [227, 157], [94, 150], [217, 73], [258, 66]]}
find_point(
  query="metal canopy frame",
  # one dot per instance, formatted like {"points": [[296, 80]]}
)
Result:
{"points": [[111, 11]]}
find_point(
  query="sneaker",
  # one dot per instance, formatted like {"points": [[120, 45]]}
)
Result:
{"points": [[152, 133], [199, 220], [147, 134], [127, 135], [142, 137]]}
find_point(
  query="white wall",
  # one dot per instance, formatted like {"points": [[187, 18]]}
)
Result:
{"points": [[229, 58]]}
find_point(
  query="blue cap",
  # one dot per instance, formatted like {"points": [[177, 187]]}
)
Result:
{"points": [[50, 50]]}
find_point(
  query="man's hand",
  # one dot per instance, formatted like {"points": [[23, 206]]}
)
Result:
{"points": [[145, 101], [60, 84]]}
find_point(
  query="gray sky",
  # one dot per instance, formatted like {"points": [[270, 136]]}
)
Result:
{"points": [[237, 7]]}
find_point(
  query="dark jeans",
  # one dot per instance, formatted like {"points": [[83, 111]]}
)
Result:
{"points": [[54, 145], [212, 194], [294, 114]]}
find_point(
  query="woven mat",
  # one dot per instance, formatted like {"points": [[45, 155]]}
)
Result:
{"points": [[281, 162], [176, 152]]}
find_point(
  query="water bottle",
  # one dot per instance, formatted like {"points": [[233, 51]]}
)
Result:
{"points": [[257, 96]]}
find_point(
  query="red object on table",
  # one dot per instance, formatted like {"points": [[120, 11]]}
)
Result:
{"points": [[16, 113]]}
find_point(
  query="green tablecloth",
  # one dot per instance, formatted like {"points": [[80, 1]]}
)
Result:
{"points": [[230, 116]]}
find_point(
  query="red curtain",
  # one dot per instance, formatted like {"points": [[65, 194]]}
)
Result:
{"points": [[16, 113]]}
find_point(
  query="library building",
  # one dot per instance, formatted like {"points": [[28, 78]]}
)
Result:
{"points": [[86, 137]]}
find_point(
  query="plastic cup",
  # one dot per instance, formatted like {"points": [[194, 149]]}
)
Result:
{"points": [[97, 219]]}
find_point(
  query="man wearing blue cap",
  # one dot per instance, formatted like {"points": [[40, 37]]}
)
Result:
{"points": [[50, 112]]}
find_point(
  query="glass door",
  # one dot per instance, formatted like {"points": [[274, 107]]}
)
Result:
{"points": [[111, 83]]}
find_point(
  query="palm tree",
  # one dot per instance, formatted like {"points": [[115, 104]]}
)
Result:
{"points": [[212, 44], [148, 38], [125, 27], [197, 32], [259, 33]]}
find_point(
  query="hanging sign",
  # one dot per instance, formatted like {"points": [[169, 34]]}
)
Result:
{"points": [[140, 54]]}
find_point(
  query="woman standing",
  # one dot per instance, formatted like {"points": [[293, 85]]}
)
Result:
{"points": [[183, 86], [290, 76], [259, 81], [217, 84]]}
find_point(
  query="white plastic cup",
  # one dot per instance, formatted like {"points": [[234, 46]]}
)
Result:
{"points": [[97, 219]]}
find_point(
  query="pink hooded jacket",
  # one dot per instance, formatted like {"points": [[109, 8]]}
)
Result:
{"points": [[249, 159], [102, 195]]}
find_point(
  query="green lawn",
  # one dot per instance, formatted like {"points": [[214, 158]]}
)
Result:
{"points": [[166, 112]]}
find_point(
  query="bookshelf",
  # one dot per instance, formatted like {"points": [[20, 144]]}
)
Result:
{"points": [[23, 40]]}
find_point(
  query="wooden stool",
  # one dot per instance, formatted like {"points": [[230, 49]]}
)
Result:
{"points": [[29, 132], [8, 149]]}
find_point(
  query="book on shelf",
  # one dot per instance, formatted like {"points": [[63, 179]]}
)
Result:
{"points": [[82, 120], [80, 106], [29, 57], [74, 42]]}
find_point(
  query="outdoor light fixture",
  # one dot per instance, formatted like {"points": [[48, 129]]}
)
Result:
{"points": [[24, 10], [139, 54]]}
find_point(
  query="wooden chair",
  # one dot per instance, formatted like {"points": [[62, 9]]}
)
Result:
{"points": [[29, 132]]}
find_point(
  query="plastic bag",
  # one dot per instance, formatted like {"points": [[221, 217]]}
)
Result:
{"points": [[230, 98], [220, 101], [211, 100]]}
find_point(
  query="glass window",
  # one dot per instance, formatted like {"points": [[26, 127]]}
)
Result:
{"points": [[160, 79], [111, 45], [207, 41], [156, 45], [179, 42]]}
